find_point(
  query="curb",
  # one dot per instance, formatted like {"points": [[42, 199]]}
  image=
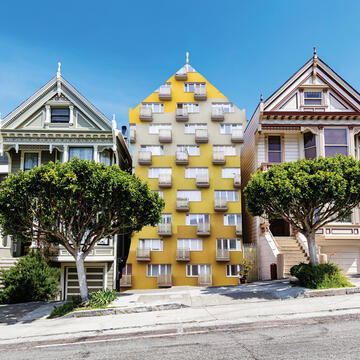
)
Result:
{"points": [[118, 311], [332, 292]]}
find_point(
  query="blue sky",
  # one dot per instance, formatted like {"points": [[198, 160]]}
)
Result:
{"points": [[117, 52]]}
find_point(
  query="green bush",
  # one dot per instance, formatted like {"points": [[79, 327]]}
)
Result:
{"points": [[62, 310], [323, 276], [102, 298], [31, 279]]}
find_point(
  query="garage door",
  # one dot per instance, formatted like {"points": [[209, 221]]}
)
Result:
{"points": [[95, 276], [347, 257]]}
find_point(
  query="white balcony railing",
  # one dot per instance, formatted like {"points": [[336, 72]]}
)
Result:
{"points": [[203, 229], [164, 181], [165, 92], [145, 114], [201, 136], [182, 157], [164, 229], [143, 254], [220, 204], [181, 76], [182, 254], [219, 158], [239, 229], [237, 136], [237, 181], [222, 255], [164, 280], [126, 281], [145, 157], [165, 136], [182, 204], [200, 93], [182, 115], [202, 180], [217, 114], [204, 280]]}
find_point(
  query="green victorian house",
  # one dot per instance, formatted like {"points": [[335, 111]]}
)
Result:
{"points": [[57, 123]]}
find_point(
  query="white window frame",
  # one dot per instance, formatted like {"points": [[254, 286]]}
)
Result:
{"points": [[313, 98], [189, 87], [191, 128], [200, 219], [200, 268], [156, 150], [227, 107], [154, 106], [22, 158], [187, 194], [225, 244], [166, 218], [192, 108], [155, 128], [149, 244], [190, 243], [224, 194], [158, 170], [237, 218], [228, 150], [192, 172], [228, 269], [188, 149], [230, 172], [336, 145], [162, 269], [228, 128]]}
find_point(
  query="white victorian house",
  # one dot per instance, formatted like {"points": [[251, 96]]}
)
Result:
{"points": [[57, 123]]}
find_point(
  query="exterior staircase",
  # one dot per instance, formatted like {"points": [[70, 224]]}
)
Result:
{"points": [[293, 252], [5, 264]]}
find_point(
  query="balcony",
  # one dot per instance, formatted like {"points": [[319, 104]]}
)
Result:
{"points": [[164, 280], [200, 93], [145, 114], [202, 180], [164, 230], [143, 254], [220, 205], [237, 181], [222, 255], [126, 281], [238, 231], [237, 136], [132, 136], [218, 158], [182, 204], [145, 157], [165, 92], [181, 158], [182, 254], [217, 114], [203, 229], [165, 136], [165, 181], [201, 136], [182, 115], [204, 280], [181, 76]]}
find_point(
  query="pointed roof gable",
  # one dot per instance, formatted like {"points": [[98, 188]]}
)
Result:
{"points": [[314, 76]]}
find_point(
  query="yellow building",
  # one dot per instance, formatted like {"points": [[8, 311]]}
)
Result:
{"points": [[186, 139]]}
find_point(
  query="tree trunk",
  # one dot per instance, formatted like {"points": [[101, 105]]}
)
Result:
{"points": [[80, 267], [314, 260]]}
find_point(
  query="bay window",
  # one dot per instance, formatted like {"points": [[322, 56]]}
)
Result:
{"points": [[82, 153]]}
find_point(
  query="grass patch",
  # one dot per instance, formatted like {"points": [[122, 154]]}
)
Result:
{"points": [[98, 300], [322, 276]]}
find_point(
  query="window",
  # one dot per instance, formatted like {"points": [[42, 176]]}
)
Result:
{"points": [[232, 270], [191, 244], [152, 244], [160, 192], [105, 157], [228, 128], [155, 107], [226, 107], [127, 269], [229, 173], [82, 153], [192, 172], [309, 145], [190, 128], [195, 219], [312, 97], [154, 128], [191, 195], [229, 195], [196, 269], [190, 87], [347, 219], [154, 270], [232, 219], [228, 150], [165, 218], [274, 149], [60, 115], [190, 107], [192, 150], [229, 244], [153, 172], [335, 142], [154, 149], [30, 161], [4, 159]]}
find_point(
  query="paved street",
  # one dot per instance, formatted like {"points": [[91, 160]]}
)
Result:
{"points": [[321, 339]]}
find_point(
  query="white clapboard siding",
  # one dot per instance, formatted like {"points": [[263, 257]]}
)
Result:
{"points": [[261, 150], [347, 257], [291, 147]]}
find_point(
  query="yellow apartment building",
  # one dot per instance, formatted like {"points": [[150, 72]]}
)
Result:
{"points": [[186, 139]]}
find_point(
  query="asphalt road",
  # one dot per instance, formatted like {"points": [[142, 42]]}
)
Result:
{"points": [[324, 339]]}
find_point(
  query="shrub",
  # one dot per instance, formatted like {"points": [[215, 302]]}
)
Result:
{"points": [[31, 279], [62, 310], [323, 276], [102, 298]]}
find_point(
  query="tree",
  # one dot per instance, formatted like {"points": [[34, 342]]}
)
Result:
{"points": [[76, 204], [308, 194]]}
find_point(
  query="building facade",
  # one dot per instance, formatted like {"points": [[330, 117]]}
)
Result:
{"points": [[186, 139], [57, 123], [314, 113]]}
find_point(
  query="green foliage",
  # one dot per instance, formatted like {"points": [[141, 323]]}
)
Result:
{"points": [[102, 298], [62, 310], [322, 276], [31, 279]]}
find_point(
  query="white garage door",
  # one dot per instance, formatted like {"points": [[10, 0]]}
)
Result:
{"points": [[95, 276], [347, 257]]}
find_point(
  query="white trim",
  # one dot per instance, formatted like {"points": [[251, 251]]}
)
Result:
{"points": [[106, 276], [22, 157]]}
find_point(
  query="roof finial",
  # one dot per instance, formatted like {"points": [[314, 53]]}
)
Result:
{"points": [[315, 55], [187, 57], [261, 98], [58, 74]]}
